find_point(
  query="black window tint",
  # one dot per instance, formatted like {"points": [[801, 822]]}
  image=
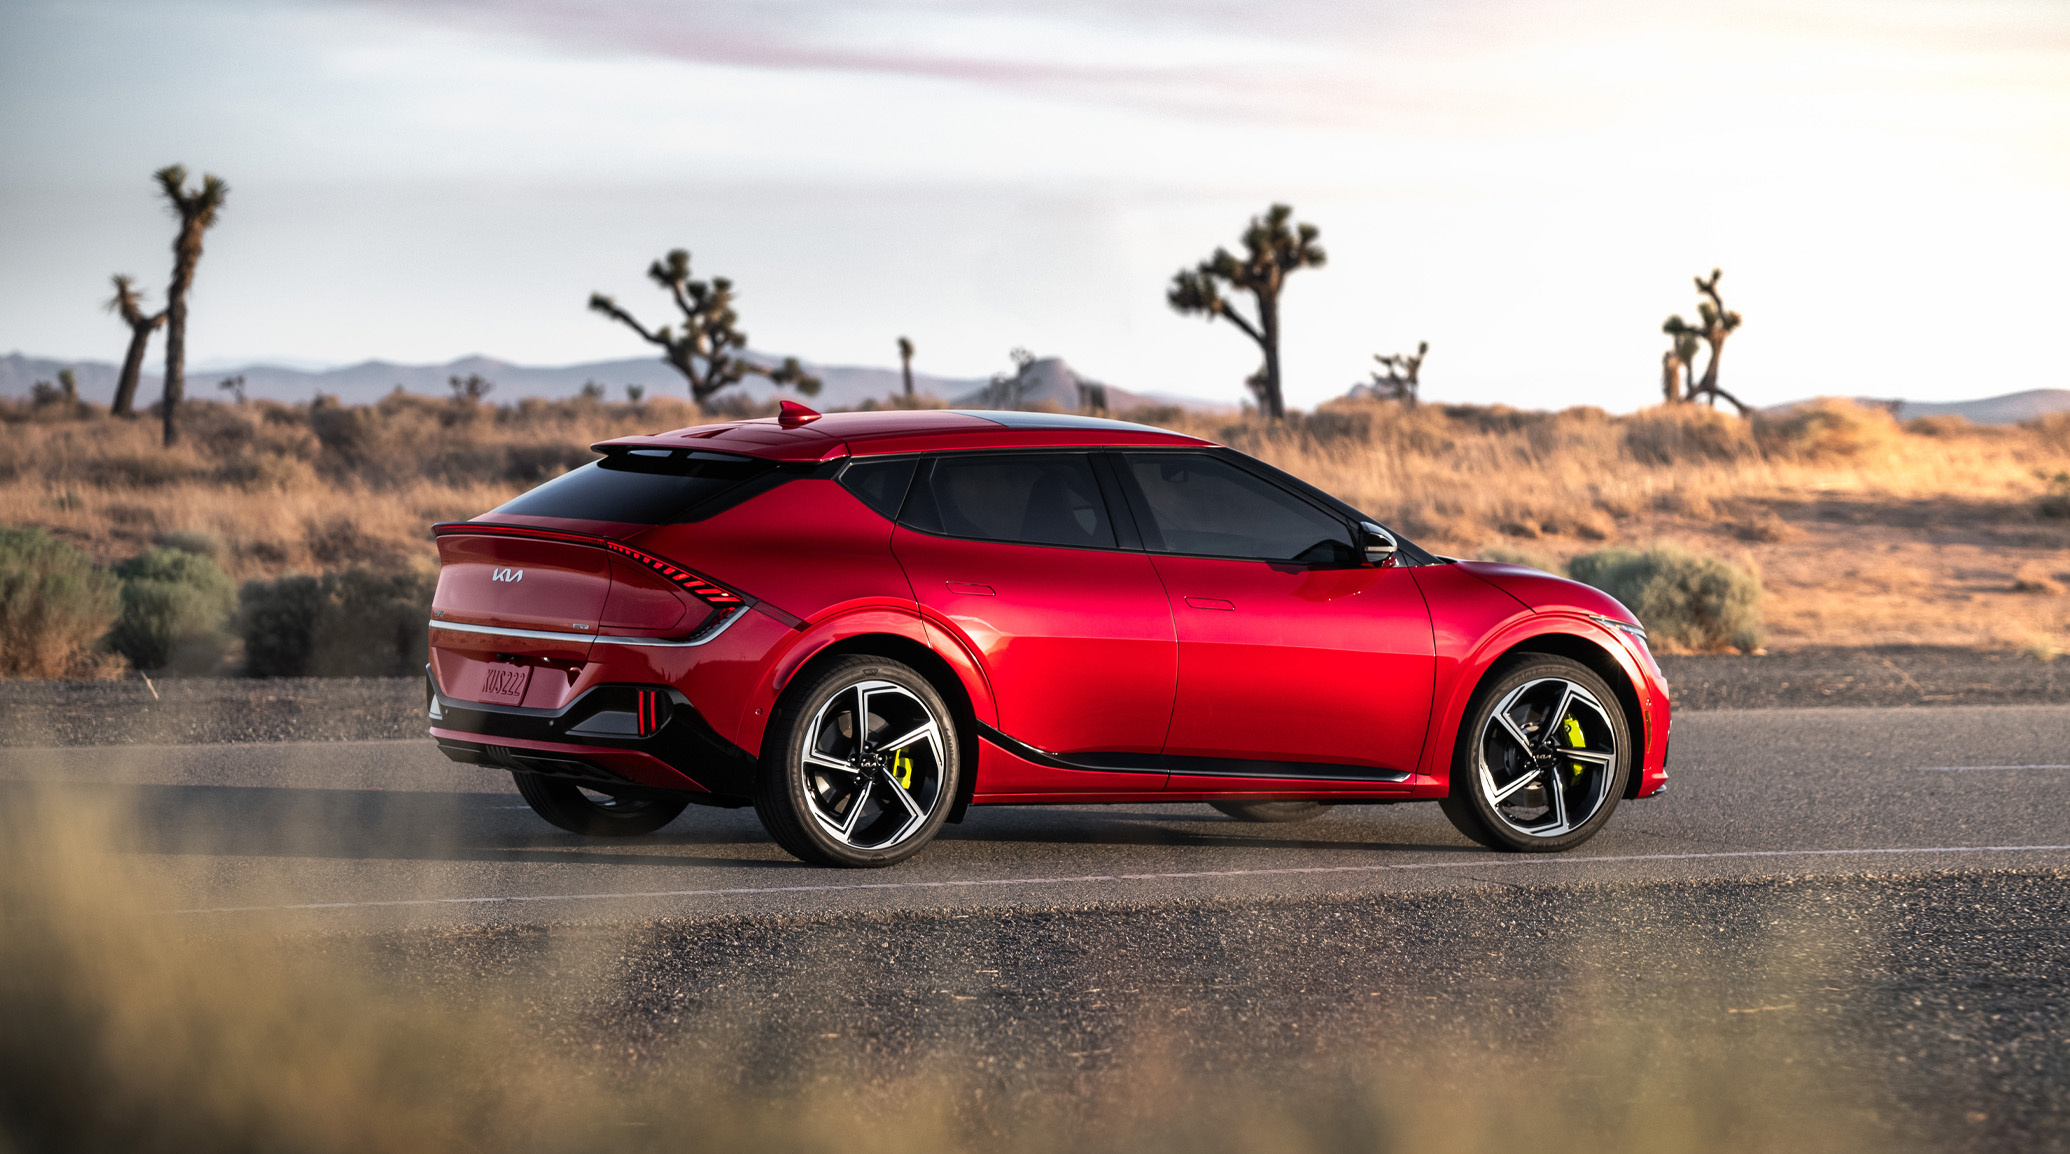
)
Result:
{"points": [[1033, 498], [880, 483], [1204, 505], [642, 487]]}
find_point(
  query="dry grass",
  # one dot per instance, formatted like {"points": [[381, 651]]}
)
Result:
{"points": [[131, 1029], [1863, 531]]}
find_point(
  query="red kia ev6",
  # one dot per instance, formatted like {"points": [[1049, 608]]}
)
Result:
{"points": [[862, 624]]}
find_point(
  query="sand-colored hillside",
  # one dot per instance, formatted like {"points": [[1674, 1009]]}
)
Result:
{"points": [[1864, 531]]}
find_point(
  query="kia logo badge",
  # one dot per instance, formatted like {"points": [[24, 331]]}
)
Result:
{"points": [[510, 576]]}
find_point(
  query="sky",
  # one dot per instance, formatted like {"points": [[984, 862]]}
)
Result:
{"points": [[1529, 186]]}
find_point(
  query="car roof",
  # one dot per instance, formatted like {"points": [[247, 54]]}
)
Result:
{"points": [[825, 437]]}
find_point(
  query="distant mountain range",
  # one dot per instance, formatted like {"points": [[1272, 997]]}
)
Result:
{"points": [[2009, 409], [842, 386]]}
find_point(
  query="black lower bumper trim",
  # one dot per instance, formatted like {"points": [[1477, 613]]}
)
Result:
{"points": [[682, 739]]}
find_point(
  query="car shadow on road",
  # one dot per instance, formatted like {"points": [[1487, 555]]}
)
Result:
{"points": [[1095, 826], [352, 824]]}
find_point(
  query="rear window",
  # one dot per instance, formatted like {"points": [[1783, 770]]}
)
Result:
{"points": [[641, 487]]}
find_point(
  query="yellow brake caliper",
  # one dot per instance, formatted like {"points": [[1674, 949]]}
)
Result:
{"points": [[1572, 732], [902, 769]]}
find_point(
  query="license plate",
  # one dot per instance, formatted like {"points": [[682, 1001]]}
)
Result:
{"points": [[505, 684]]}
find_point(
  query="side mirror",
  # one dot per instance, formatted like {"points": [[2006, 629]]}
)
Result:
{"points": [[1378, 543]]}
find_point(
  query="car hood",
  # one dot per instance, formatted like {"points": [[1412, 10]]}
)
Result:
{"points": [[1545, 593]]}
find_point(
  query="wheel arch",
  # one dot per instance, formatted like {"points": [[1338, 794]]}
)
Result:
{"points": [[928, 664], [1569, 639], [1605, 665]]}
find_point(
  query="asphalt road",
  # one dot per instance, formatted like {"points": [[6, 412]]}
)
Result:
{"points": [[388, 833], [1881, 892]]}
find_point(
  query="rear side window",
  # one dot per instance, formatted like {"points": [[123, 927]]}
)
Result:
{"points": [[641, 487], [1030, 498], [880, 484], [1203, 505]]}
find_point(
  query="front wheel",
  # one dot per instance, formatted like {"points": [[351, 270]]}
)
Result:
{"points": [[595, 814], [860, 766], [1543, 757], [1274, 812]]}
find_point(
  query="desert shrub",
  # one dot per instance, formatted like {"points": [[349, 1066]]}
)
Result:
{"points": [[355, 623], [174, 608], [1681, 434], [277, 620], [1828, 429], [189, 541], [1524, 557], [54, 606], [1686, 600], [2056, 503]]}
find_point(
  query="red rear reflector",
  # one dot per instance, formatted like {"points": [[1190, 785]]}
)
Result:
{"points": [[650, 711]]}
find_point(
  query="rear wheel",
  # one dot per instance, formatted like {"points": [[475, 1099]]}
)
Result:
{"points": [[860, 766], [1274, 812], [595, 814], [1543, 757]]}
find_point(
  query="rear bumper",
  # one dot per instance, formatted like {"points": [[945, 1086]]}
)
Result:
{"points": [[625, 737]]}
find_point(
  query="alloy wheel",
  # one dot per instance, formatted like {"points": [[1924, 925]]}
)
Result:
{"points": [[1546, 758], [872, 765]]}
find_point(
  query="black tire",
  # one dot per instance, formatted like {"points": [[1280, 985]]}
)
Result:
{"points": [[1587, 750], [891, 807], [1273, 812], [595, 814]]}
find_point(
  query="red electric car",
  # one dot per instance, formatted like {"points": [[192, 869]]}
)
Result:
{"points": [[862, 624]]}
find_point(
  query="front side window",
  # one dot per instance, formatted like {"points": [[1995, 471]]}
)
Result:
{"points": [[1030, 498], [1202, 505]]}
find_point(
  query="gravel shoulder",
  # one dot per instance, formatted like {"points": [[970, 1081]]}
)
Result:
{"points": [[1929, 1003], [214, 710]]}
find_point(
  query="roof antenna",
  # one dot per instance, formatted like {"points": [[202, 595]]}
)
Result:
{"points": [[791, 414]]}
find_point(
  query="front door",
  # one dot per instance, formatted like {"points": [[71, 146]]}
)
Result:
{"points": [[1016, 555], [1300, 667]]}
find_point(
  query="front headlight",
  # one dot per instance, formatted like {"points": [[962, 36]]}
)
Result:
{"points": [[1637, 632]]}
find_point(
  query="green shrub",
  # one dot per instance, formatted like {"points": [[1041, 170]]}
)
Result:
{"points": [[1685, 600], [356, 623], [277, 619], [189, 541], [54, 605], [174, 608]]}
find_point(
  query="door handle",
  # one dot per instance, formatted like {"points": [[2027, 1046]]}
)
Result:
{"points": [[1211, 603], [969, 589]]}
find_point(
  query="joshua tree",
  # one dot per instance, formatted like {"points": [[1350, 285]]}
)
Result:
{"points": [[1400, 381], [1009, 391], [1271, 251], [1718, 323], [1678, 363], [234, 386], [470, 389], [128, 303], [905, 361], [197, 211], [704, 351]]}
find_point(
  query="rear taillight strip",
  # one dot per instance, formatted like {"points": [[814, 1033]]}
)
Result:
{"points": [[703, 588], [690, 582]]}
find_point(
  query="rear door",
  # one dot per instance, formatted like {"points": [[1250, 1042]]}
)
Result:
{"points": [[1017, 554], [1300, 667]]}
